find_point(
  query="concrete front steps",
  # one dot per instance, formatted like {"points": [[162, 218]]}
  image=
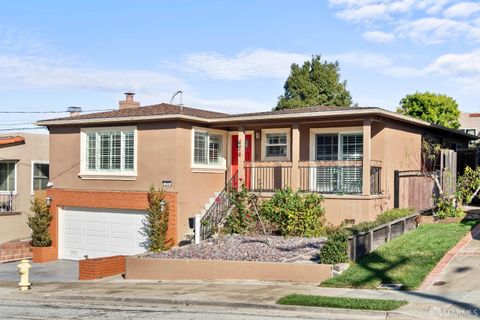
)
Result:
{"points": [[207, 205]]}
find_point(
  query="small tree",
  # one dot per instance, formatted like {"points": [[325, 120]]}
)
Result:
{"points": [[434, 108], [156, 221], [314, 83], [39, 222]]}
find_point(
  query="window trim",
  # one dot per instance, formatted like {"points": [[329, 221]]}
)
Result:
{"points": [[33, 163], [205, 167], [467, 129], [288, 132], [15, 188], [105, 175], [338, 131]]}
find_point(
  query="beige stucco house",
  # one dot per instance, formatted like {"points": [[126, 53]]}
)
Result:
{"points": [[102, 164], [24, 171], [470, 123]]}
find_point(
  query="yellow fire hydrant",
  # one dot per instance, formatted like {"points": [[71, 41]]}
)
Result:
{"points": [[23, 270]]}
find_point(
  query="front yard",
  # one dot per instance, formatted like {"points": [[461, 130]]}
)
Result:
{"points": [[406, 260], [248, 248]]}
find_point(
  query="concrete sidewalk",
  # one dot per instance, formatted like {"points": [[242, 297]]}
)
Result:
{"points": [[251, 294]]}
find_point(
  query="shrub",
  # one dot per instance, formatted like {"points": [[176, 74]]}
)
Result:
{"points": [[468, 185], [241, 217], [156, 221], [363, 227], [446, 209], [382, 218], [39, 223], [392, 214], [295, 214], [335, 249]]}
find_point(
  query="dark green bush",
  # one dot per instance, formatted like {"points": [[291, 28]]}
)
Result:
{"points": [[39, 223], [295, 214], [335, 249]]}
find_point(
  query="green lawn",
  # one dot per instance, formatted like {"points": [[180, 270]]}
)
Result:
{"points": [[407, 259], [341, 302]]}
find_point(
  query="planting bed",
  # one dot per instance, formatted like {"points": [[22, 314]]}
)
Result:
{"points": [[243, 248]]}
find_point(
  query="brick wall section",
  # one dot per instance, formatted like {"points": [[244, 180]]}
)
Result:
{"points": [[128, 200], [14, 251], [90, 269]]}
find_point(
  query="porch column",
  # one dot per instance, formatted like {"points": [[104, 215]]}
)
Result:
{"points": [[367, 137], [241, 156], [295, 183]]}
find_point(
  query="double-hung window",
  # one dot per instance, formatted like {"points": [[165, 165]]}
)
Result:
{"points": [[275, 144], [109, 150], [208, 149], [7, 176], [339, 175]]}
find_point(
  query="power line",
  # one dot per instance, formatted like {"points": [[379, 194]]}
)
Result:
{"points": [[38, 112], [20, 129], [14, 124]]}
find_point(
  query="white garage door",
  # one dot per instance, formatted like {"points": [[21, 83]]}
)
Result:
{"points": [[100, 233]]}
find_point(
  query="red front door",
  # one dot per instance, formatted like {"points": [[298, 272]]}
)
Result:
{"points": [[248, 158]]}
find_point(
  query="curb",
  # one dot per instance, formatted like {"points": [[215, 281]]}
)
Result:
{"points": [[370, 314], [432, 276]]}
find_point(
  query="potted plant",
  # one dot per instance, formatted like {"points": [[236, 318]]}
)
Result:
{"points": [[39, 222]]}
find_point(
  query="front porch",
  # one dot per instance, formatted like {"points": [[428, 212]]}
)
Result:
{"points": [[325, 177], [309, 157]]}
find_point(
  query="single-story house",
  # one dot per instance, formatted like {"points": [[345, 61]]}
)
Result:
{"points": [[24, 172], [102, 165]]}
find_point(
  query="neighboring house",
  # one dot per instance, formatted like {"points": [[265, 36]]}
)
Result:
{"points": [[470, 123], [24, 171], [102, 164]]}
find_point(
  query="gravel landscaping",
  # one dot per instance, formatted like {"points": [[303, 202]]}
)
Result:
{"points": [[243, 248]]}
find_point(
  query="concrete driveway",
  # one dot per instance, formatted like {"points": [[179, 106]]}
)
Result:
{"points": [[55, 271]]}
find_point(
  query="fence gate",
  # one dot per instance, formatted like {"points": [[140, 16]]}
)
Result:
{"points": [[414, 189]]}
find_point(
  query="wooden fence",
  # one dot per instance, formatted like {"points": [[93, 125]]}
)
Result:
{"points": [[364, 243], [414, 189]]}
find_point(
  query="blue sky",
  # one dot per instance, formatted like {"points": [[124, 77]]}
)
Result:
{"points": [[230, 56]]}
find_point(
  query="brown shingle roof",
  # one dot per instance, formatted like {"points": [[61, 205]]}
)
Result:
{"points": [[169, 109], [300, 110], [153, 110]]}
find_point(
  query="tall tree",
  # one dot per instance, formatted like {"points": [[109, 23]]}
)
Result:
{"points": [[432, 107], [315, 83]]}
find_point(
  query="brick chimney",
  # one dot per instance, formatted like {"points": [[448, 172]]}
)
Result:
{"points": [[128, 102]]}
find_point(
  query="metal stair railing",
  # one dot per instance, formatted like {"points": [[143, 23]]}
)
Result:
{"points": [[218, 211]]}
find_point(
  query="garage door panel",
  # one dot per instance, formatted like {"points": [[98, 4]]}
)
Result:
{"points": [[101, 232]]}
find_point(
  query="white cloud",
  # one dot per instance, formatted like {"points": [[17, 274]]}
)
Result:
{"points": [[258, 63], [437, 30], [425, 22], [368, 12], [43, 73], [379, 36], [462, 10]]}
